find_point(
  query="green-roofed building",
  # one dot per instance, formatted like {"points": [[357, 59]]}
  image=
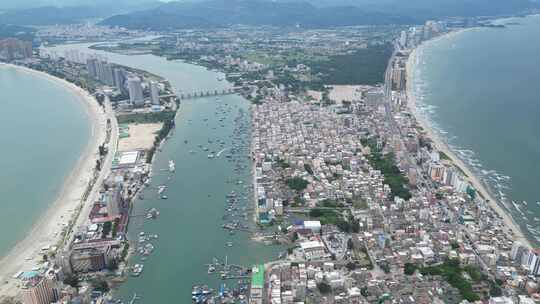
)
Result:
{"points": [[257, 276], [257, 284]]}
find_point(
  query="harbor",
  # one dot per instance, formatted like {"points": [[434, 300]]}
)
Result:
{"points": [[211, 197], [198, 192]]}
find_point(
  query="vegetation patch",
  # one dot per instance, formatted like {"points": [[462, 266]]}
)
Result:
{"points": [[283, 164], [152, 117], [364, 66], [326, 216], [165, 129], [361, 257], [297, 183], [452, 272], [359, 204], [327, 203], [387, 165]]}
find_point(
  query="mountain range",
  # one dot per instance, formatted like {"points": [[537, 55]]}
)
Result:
{"points": [[315, 13], [77, 12], [25, 4], [217, 13], [160, 15]]}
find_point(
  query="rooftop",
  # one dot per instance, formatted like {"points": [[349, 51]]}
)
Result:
{"points": [[257, 277]]}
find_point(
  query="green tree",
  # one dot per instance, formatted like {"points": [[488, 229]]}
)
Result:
{"points": [[409, 268], [71, 280], [324, 287], [100, 285], [107, 226], [297, 183], [308, 169]]}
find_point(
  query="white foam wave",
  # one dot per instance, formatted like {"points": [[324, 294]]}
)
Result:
{"points": [[497, 182]]}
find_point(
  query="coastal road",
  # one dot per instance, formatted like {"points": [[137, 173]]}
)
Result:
{"points": [[82, 220], [391, 122]]}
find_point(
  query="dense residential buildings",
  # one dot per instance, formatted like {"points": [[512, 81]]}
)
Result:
{"points": [[12, 48], [154, 93], [135, 91], [345, 176], [391, 209], [39, 290]]}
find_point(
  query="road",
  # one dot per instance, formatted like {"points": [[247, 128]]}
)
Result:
{"points": [[82, 220], [391, 122]]}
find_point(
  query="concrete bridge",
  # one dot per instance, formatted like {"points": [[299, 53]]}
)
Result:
{"points": [[198, 94]]}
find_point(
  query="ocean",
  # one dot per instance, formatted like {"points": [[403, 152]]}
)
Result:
{"points": [[479, 90], [44, 131]]}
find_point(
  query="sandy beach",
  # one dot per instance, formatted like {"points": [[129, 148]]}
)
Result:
{"points": [[47, 230], [442, 146]]}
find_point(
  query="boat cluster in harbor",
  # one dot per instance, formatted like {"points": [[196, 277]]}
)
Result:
{"points": [[237, 209], [203, 294], [145, 248], [236, 292], [236, 151], [153, 213], [232, 151], [235, 216]]}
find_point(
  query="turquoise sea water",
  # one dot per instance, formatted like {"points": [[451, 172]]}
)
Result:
{"points": [[44, 129], [479, 88]]}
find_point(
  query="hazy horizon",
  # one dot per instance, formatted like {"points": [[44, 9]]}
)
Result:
{"points": [[22, 4]]}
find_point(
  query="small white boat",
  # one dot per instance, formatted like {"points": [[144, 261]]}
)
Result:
{"points": [[137, 269], [171, 166], [161, 189]]}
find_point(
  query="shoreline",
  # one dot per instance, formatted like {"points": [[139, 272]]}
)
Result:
{"points": [[61, 211], [442, 146]]}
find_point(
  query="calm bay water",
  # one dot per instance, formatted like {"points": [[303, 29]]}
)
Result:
{"points": [[189, 225], [44, 131], [480, 90]]}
